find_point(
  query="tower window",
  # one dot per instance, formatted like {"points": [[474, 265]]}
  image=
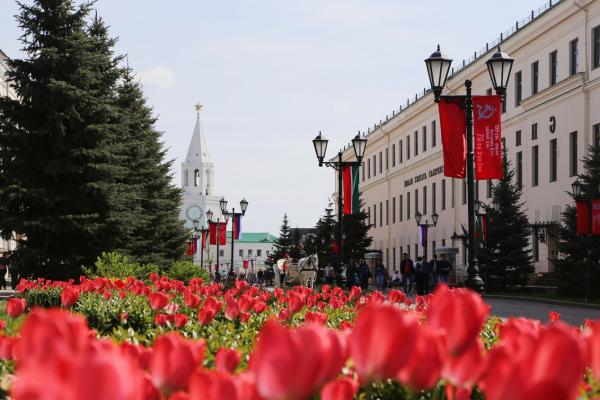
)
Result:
{"points": [[196, 177]]}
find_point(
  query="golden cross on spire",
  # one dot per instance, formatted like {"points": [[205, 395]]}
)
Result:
{"points": [[198, 107]]}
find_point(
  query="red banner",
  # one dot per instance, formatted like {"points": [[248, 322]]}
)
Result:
{"points": [[582, 213], [246, 263], [452, 124], [221, 234], [204, 239], [191, 247], [487, 134], [596, 217]]}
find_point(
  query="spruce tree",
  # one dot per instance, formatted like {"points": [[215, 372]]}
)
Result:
{"points": [[296, 246], [284, 241], [356, 231], [159, 235], [570, 267], [505, 259], [324, 238], [59, 144]]}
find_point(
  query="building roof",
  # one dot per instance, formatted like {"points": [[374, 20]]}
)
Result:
{"points": [[198, 150], [254, 237]]}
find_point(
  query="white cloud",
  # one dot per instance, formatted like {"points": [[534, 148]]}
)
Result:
{"points": [[162, 77]]}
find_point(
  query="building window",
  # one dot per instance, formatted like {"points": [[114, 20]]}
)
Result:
{"points": [[536, 246], [408, 250], [518, 88], [250, 253], [424, 199], [387, 212], [393, 155], [464, 252], [433, 133], [387, 159], [573, 154], [363, 172], [533, 131], [433, 205], [489, 189], [416, 251], [393, 258], [241, 253], [504, 103], [416, 144], [573, 57], [369, 215], [519, 169], [400, 154], [424, 139], [374, 215], [416, 202], [369, 168], [433, 247], [393, 210], [518, 138], [381, 213], [258, 253], [380, 162], [596, 47], [443, 194], [476, 190], [408, 205], [400, 206], [553, 67], [534, 166], [464, 191], [443, 242], [374, 165], [553, 159], [408, 147], [452, 193], [597, 135], [488, 92], [534, 77]]}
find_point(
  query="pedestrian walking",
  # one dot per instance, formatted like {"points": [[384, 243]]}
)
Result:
{"points": [[260, 276], [420, 276], [379, 275], [329, 274], [406, 271], [14, 273], [364, 274], [444, 269], [435, 272], [4, 262]]}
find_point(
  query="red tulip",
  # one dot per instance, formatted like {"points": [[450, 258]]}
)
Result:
{"points": [[355, 293], [294, 303], [448, 307], [554, 316], [181, 320], [206, 315], [232, 311], [259, 307], [316, 317], [173, 361], [465, 370], [424, 368], [69, 296], [158, 300], [191, 300], [15, 307], [7, 344], [227, 360], [382, 341], [160, 319], [593, 348], [213, 385], [396, 296], [340, 389]]}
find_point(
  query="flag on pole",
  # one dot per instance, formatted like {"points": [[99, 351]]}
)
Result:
{"points": [[237, 226], [350, 187], [204, 239], [487, 134], [423, 234], [221, 235], [596, 217], [454, 142], [246, 263]]}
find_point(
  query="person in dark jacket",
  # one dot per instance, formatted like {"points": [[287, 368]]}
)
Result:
{"points": [[364, 274], [406, 271]]}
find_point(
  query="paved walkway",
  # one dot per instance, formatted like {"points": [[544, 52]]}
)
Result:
{"points": [[534, 310]]}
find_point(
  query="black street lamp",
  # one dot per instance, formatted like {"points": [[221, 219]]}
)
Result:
{"points": [[426, 225], [499, 68], [209, 217], [195, 224], [243, 207], [359, 145], [576, 186]]}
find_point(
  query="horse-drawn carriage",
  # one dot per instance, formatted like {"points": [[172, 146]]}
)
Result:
{"points": [[303, 272]]}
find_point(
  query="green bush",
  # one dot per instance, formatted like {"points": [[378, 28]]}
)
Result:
{"points": [[186, 270], [116, 265], [45, 298]]}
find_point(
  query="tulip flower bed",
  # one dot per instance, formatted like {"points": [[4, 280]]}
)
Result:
{"points": [[129, 339]]}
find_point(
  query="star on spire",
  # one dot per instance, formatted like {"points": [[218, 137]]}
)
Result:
{"points": [[198, 107]]}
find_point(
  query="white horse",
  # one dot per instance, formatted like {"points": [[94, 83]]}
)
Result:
{"points": [[307, 268]]}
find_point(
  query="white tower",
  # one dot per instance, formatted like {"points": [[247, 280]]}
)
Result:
{"points": [[197, 179]]}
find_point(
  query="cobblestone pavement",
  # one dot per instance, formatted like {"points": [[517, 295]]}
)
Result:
{"points": [[529, 309]]}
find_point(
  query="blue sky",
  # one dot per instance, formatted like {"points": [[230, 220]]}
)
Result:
{"points": [[272, 73]]}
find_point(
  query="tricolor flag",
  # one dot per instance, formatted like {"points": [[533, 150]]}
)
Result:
{"points": [[423, 234], [237, 226], [350, 185]]}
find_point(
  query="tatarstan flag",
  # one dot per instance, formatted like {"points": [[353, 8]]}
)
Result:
{"points": [[350, 185]]}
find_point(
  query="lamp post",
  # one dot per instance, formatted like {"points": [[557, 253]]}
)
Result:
{"points": [[204, 235], [426, 225], [243, 207], [195, 224], [359, 145], [209, 216], [588, 199], [499, 68]]}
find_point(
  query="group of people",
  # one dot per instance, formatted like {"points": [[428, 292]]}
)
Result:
{"points": [[425, 275], [6, 266]]}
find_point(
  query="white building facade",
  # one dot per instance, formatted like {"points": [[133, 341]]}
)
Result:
{"points": [[550, 118], [5, 90]]}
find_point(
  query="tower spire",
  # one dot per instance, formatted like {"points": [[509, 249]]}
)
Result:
{"points": [[197, 150]]}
